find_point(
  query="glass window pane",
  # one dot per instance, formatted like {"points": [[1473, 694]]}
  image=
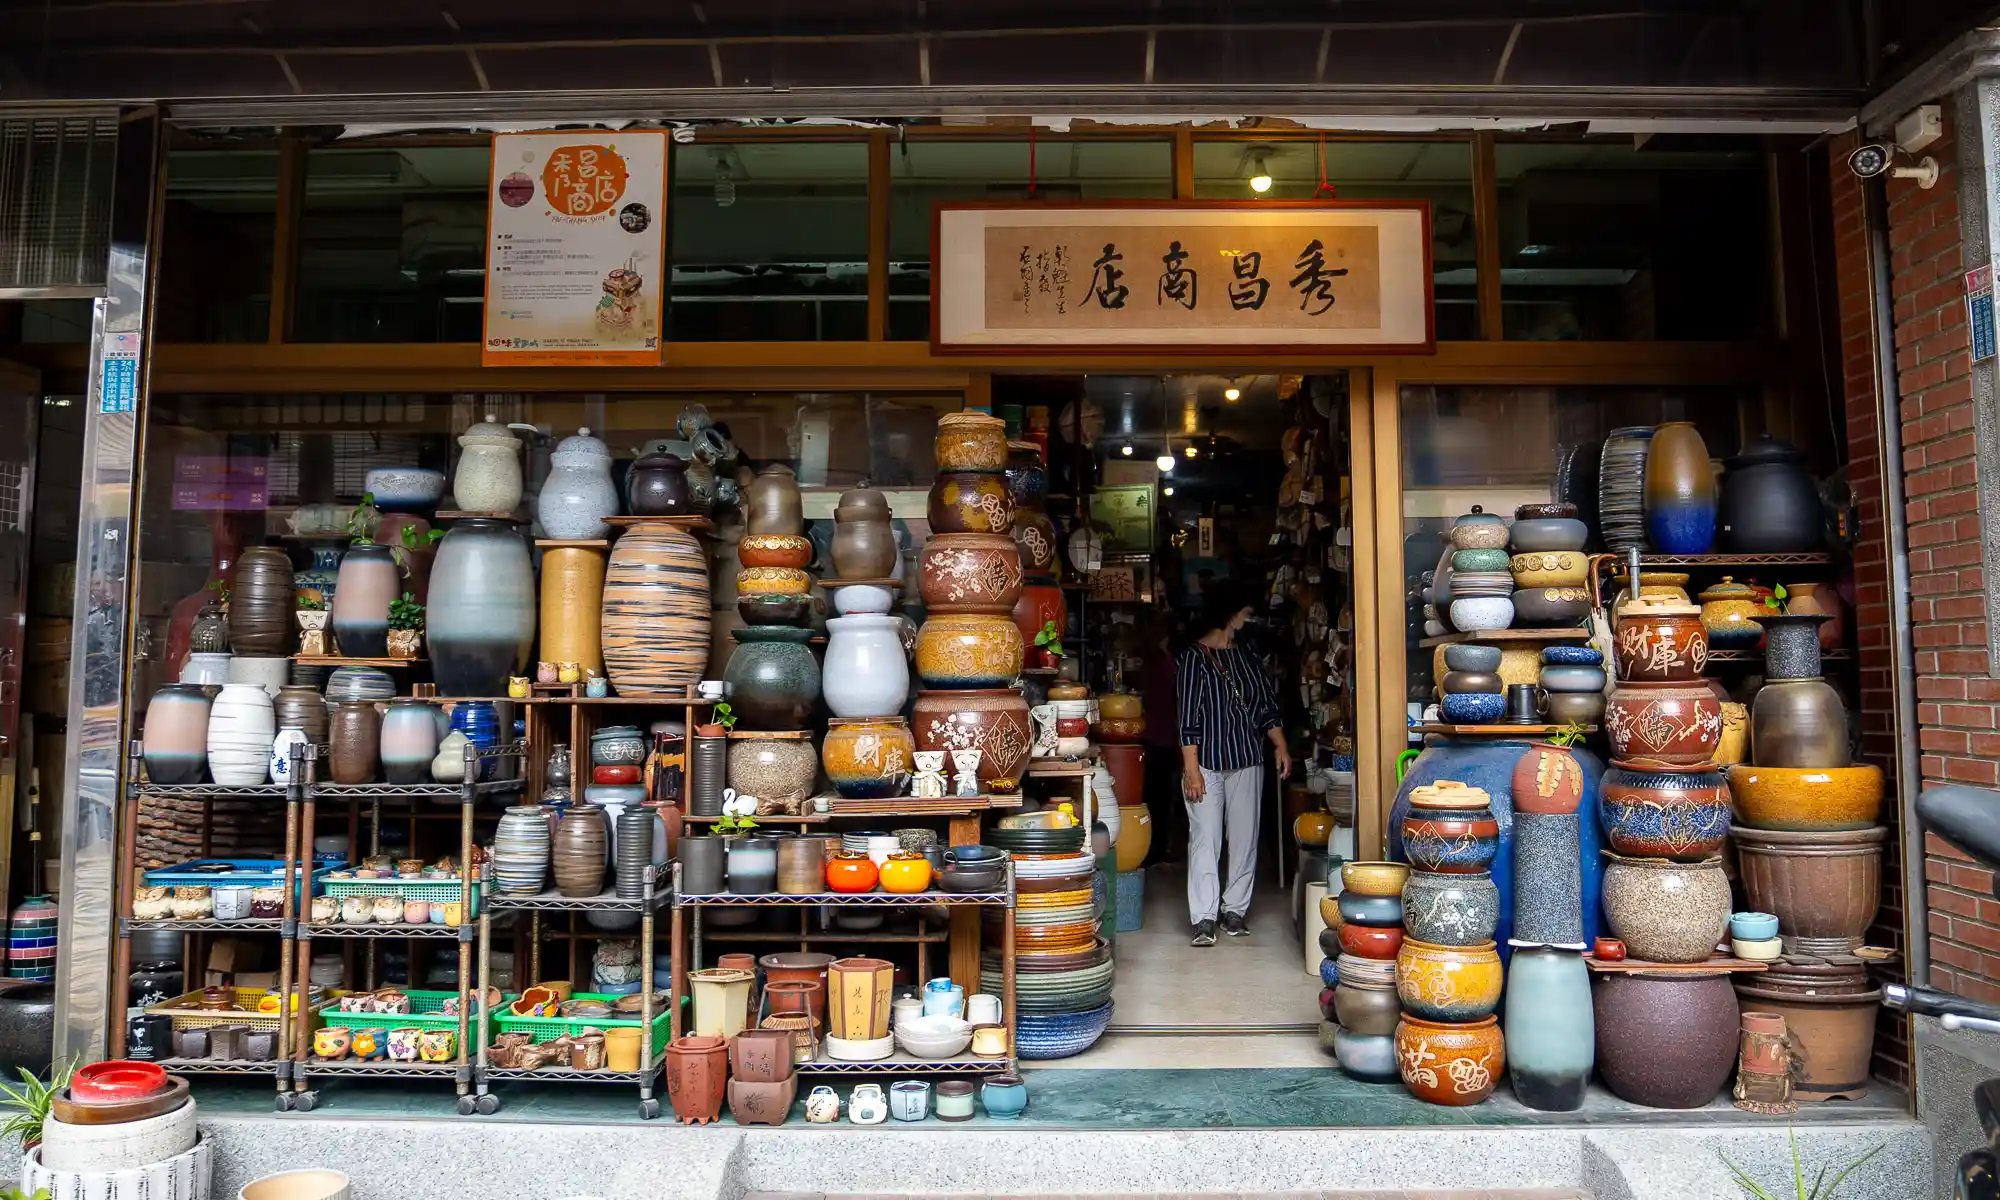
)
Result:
{"points": [[1440, 172], [770, 242], [1607, 243], [218, 234], [921, 173], [392, 245]]}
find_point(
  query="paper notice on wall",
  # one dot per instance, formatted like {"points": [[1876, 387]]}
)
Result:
{"points": [[575, 265], [118, 390], [1979, 311]]}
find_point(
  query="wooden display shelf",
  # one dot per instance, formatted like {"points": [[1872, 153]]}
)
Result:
{"points": [[1049, 768], [455, 514], [341, 660], [1497, 730], [573, 543], [1495, 636], [1721, 964], [686, 522]]}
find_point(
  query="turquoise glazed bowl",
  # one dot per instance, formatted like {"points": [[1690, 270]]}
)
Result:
{"points": [[1480, 560], [1747, 926], [1005, 1096]]}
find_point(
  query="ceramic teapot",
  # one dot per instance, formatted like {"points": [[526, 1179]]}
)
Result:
{"points": [[488, 478], [865, 1106], [823, 1104], [578, 494]]}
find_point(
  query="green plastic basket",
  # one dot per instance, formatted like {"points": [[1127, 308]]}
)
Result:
{"points": [[547, 1029], [434, 891], [423, 1014]]}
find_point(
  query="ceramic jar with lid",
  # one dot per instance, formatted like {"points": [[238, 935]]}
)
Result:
{"points": [[1450, 829], [1729, 612], [864, 543], [1479, 530], [657, 486], [1660, 643], [578, 493], [971, 441], [488, 478], [1769, 502]]}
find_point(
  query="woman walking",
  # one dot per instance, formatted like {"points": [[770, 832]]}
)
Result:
{"points": [[1227, 712]]}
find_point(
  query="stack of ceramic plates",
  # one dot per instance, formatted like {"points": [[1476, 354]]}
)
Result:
{"points": [[1041, 989], [1060, 1035], [1053, 866], [855, 841], [1037, 841], [1621, 483]]}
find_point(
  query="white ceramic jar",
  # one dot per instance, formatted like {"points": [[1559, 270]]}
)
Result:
{"points": [[578, 493], [281, 752], [488, 478], [865, 673], [242, 723]]}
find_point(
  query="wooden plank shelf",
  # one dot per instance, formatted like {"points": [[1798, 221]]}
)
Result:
{"points": [[1498, 729], [1721, 964], [340, 660], [1498, 636]]}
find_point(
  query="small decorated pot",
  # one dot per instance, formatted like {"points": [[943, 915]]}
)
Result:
{"points": [[968, 650], [772, 581], [1450, 828], [970, 572], [1661, 643], [1453, 1064], [851, 872], [773, 550], [1479, 530], [970, 502], [1550, 568], [1366, 941], [1448, 983], [1729, 612], [971, 441], [1451, 910], [868, 758], [1664, 814], [332, 1041], [905, 874], [1373, 878], [1472, 561]]}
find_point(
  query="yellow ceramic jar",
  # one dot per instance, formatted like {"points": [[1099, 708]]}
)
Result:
{"points": [[1448, 983], [1119, 706], [971, 441], [1729, 611], [905, 874], [1550, 568], [968, 650], [868, 757]]}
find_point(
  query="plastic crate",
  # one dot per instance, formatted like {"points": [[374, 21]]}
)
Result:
{"points": [[547, 1029], [423, 1014], [187, 1012], [236, 872], [434, 891]]}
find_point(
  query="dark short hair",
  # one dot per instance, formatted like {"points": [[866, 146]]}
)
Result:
{"points": [[1221, 600]]}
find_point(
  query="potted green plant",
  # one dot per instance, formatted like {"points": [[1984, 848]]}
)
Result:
{"points": [[27, 1106], [406, 626], [1048, 646], [361, 520]]}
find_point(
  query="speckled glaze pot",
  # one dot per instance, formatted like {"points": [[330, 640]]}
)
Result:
{"points": [[970, 573], [1730, 612], [993, 722], [776, 770], [774, 679], [1478, 530], [1451, 910], [488, 477], [970, 502], [968, 650], [1469, 562], [1027, 478], [1549, 785], [578, 494], [1448, 983], [1665, 1041], [868, 757], [1666, 912], [971, 441], [1681, 815], [1450, 1064], [1663, 724], [1661, 643]]}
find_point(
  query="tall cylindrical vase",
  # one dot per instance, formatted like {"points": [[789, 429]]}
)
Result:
{"points": [[578, 851], [1548, 874], [409, 741], [176, 737], [701, 859], [369, 581], [521, 851], [1680, 492], [1551, 1038], [708, 773], [355, 732], [572, 605], [241, 725], [481, 619], [261, 603], [656, 613]]}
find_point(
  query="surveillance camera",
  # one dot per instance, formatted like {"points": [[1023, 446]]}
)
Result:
{"points": [[1870, 159]]}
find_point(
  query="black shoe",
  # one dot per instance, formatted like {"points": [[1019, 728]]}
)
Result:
{"points": [[1204, 934], [1234, 925]]}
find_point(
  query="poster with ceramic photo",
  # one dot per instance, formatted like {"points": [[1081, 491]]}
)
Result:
{"points": [[575, 240]]}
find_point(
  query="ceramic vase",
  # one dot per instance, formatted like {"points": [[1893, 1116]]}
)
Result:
{"points": [[1680, 492], [779, 771], [697, 1077], [993, 722], [1769, 504], [1551, 1037], [1035, 535], [656, 613], [176, 735], [1681, 815], [774, 678], [1807, 599], [409, 741], [1041, 602], [521, 851], [970, 573], [864, 543], [354, 732], [1666, 912], [302, 706], [1448, 983], [866, 673], [481, 619], [1450, 1063], [708, 771], [261, 602], [970, 502], [701, 859], [801, 866], [241, 726], [369, 581], [868, 757], [578, 494], [771, 503], [1665, 1041], [578, 850], [572, 606], [479, 721], [209, 633], [1451, 910], [968, 651], [488, 478]]}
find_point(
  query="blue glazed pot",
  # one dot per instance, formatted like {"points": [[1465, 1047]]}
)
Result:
{"points": [[1005, 1096], [1378, 911], [480, 724], [1488, 763], [1367, 1058], [1579, 656], [1748, 926], [1682, 815], [1472, 708], [1680, 492]]}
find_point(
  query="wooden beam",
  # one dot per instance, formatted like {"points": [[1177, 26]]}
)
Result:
{"points": [[878, 235], [1486, 228], [285, 236], [1183, 164], [1391, 666], [1370, 701]]}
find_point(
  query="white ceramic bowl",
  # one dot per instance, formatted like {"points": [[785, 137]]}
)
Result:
{"points": [[862, 598], [1760, 950], [319, 1183], [863, 1049], [933, 1037], [1482, 613]]}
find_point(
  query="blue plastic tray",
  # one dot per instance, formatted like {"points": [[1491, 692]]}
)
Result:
{"points": [[240, 872]]}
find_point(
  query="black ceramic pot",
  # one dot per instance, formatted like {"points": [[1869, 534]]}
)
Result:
{"points": [[773, 678], [701, 857], [1769, 503], [27, 1027], [657, 486], [1665, 1041]]}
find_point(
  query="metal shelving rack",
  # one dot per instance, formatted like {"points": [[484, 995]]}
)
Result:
{"points": [[301, 1096], [898, 1063]]}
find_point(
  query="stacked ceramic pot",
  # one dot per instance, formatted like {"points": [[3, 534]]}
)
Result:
{"points": [[1064, 969], [1551, 572], [1471, 692], [1041, 605], [1358, 1005], [1807, 844], [1449, 1049], [867, 672], [1551, 1043], [970, 650], [1572, 682], [1481, 582], [774, 680], [763, 1080]]}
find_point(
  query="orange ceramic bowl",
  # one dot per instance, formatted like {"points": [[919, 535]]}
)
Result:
{"points": [[1371, 941], [772, 581], [773, 550]]}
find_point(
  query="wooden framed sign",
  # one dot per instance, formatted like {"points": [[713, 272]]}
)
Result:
{"points": [[1298, 276]]}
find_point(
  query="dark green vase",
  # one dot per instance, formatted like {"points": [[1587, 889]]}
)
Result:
{"points": [[773, 678]]}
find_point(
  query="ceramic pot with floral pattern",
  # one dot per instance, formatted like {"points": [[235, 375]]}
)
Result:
{"points": [[1450, 828], [1448, 983], [1453, 1064], [991, 721], [970, 573], [1664, 814], [1663, 724], [968, 650]]}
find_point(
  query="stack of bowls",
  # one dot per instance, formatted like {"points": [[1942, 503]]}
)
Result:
{"points": [[1481, 588], [1573, 679], [1359, 1004], [1621, 486], [972, 870], [1472, 692], [1550, 570], [1064, 970]]}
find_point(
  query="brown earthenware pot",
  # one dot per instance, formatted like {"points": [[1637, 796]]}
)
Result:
{"points": [[864, 542], [771, 504], [1450, 1064], [354, 732], [1660, 643], [697, 1072], [261, 603], [1820, 885], [991, 721], [1665, 1041], [1829, 1009], [970, 573], [970, 502], [578, 849], [301, 706], [761, 1055], [1663, 724]]}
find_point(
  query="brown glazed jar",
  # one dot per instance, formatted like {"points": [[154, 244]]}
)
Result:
{"points": [[657, 486], [864, 543], [771, 503], [300, 705], [261, 603], [971, 441], [354, 731]]}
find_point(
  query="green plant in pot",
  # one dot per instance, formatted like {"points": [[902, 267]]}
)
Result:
{"points": [[27, 1106], [406, 626], [1048, 646]]}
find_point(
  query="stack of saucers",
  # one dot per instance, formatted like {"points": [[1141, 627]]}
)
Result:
{"points": [[1063, 969], [1573, 678], [1621, 483]]}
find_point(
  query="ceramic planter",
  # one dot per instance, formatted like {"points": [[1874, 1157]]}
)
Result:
{"points": [[1550, 607], [579, 850], [1829, 1010], [783, 550], [1820, 885], [409, 740], [1818, 800], [1660, 643], [1730, 612], [771, 503], [1680, 815], [1478, 530], [572, 605], [701, 859], [1665, 1041], [969, 502], [866, 673], [968, 651], [521, 851], [774, 678], [1365, 1057], [1451, 910], [656, 612], [993, 722], [301, 706], [1452, 1064], [1680, 492], [176, 737], [859, 991], [1769, 504], [864, 542], [1548, 569], [779, 771], [1448, 983], [1041, 602], [1667, 912], [752, 865], [369, 581], [1370, 1011], [1366, 941], [1530, 534], [1551, 1034], [1451, 830], [1807, 599], [721, 1000], [261, 602], [970, 573], [1663, 724], [971, 441], [697, 1073], [808, 969], [868, 758], [767, 1103]]}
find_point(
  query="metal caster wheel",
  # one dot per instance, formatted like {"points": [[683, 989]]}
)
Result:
{"points": [[284, 1102], [465, 1105], [649, 1109], [488, 1105], [305, 1101]]}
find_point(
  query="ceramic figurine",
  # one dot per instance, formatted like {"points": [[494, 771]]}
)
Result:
{"points": [[1044, 717], [569, 672], [823, 1105], [966, 763], [597, 687], [517, 686], [929, 782], [545, 672], [449, 765], [865, 1105]]}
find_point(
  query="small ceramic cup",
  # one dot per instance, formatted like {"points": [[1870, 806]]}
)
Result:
{"points": [[712, 689], [989, 1041], [982, 1009], [1751, 926], [954, 1100], [1757, 949], [1608, 949]]}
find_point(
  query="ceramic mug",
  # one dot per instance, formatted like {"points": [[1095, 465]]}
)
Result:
{"points": [[712, 689], [943, 998], [989, 1041], [982, 1009]]}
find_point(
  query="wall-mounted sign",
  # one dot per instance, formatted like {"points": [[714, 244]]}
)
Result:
{"points": [[1268, 275], [575, 235]]}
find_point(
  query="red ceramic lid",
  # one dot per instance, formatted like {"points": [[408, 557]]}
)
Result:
{"points": [[118, 1079]]}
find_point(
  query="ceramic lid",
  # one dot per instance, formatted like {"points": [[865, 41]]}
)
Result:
{"points": [[1728, 589], [657, 460], [863, 498], [1449, 793], [615, 731], [490, 432], [1766, 449], [1478, 516], [1659, 608], [972, 418], [582, 443]]}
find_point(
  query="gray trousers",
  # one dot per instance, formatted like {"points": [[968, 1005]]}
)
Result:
{"points": [[1229, 805]]}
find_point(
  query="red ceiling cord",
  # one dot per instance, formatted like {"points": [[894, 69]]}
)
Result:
{"points": [[1324, 189]]}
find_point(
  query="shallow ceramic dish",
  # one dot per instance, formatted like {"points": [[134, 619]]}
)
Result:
{"points": [[1753, 926], [1757, 950], [1374, 878], [969, 855], [863, 1049], [1544, 534], [933, 1037]]}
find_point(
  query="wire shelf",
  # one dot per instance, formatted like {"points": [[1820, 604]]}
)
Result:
{"points": [[379, 931], [845, 899], [210, 925], [552, 901]]}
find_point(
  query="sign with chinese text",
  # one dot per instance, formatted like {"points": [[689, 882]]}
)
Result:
{"points": [[575, 235], [1301, 276], [1124, 517], [1979, 311]]}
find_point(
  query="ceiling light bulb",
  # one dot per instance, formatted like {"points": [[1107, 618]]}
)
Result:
{"points": [[1165, 462], [1126, 450], [1260, 176], [1191, 452], [1232, 392], [1168, 490]]}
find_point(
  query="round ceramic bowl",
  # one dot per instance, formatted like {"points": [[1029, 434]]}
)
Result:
{"points": [[772, 581], [623, 747], [850, 599], [1573, 656], [1470, 682], [1807, 799], [1487, 534], [1562, 677], [774, 609], [404, 489], [1468, 562], [1380, 911], [1482, 613], [1371, 941], [1473, 708], [933, 1037], [1753, 926], [1573, 708], [1466, 656], [1366, 1057], [1374, 878], [1540, 534], [1540, 607], [1466, 585], [1364, 972], [970, 855], [773, 550], [1757, 950], [1550, 568]]}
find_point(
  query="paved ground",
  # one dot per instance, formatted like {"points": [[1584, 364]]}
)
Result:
{"points": [[1482, 1194]]}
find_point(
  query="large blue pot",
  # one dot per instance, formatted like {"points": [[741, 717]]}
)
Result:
{"points": [[1488, 763]]}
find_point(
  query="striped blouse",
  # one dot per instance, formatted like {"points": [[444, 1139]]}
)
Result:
{"points": [[1228, 733]]}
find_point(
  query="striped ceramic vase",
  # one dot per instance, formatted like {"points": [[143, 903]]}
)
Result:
{"points": [[656, 612]]}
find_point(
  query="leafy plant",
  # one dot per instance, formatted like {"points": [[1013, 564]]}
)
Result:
{"points": [[413, 540], [725, 716], [1569, 735], [738, 815], [14, 1193], [361, 520], [28, 1105], [406, 613], [1050, 638], [221, 589], [311, 602], [1821, 1188], [1779, 600]]}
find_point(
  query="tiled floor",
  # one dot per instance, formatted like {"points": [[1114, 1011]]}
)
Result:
{"points": [[1481, 1194]]}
